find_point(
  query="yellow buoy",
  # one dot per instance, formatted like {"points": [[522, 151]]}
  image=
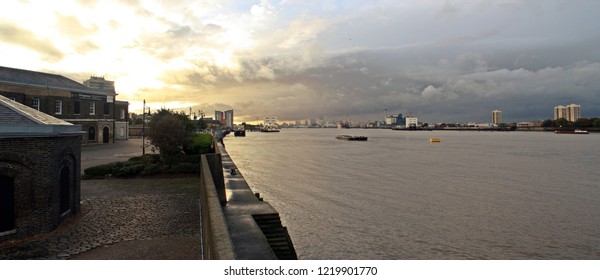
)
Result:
{"points": [[434, 140]]}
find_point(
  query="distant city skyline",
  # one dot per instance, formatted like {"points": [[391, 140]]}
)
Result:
{"points": [[442, 61]]}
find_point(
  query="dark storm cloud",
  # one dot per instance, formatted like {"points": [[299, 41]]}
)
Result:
{"points": [[462, 86]]}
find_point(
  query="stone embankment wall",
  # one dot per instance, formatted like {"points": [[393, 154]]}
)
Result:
{"points": [[216, 242], [237, 223]]}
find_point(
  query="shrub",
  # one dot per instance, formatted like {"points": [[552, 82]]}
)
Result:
{"points": [[183, 168], [99, 170], [127, 170], [135, 159], [145, 159], [201, 144], [151, 169], [149, 164]]}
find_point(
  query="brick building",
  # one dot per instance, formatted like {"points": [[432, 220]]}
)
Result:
{"points": [[40, 167], [92, 105]]}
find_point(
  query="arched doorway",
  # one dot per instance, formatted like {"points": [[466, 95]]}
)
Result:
{"points": [[65, 189], [7, 203], [105, 135], [92, 134]]}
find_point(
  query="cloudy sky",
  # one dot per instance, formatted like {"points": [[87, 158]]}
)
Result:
{"points": [[442, 61]]}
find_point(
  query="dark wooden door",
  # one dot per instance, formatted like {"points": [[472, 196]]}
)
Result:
{"points": [[105, 135], [92, 134], [65, 189], [7, 203]]}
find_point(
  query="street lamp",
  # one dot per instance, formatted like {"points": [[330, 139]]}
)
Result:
{"points": [[144, 127]]}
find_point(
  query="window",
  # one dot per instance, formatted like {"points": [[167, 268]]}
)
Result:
{"points": [[92, 108], [58, 107], [123, 114], [76, 107], [35, 103], [106, 112]]}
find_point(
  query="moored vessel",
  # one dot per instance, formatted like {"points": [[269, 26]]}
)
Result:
{"points": [[239, 133], [269, 129], [351, 138], [576, 131]]}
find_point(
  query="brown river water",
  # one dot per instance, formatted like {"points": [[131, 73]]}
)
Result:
{"points": [[474, 195]]}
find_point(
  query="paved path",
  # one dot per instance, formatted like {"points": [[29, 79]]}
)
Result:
{"points": [[122, 219], [96, 154]]}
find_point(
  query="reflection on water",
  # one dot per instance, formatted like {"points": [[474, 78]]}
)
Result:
{"points": [[489, 195]]}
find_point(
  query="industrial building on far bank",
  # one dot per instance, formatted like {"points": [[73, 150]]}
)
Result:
{"points": [[91, 104]]}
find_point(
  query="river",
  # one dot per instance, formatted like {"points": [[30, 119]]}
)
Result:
{"points": [[474, 195]]}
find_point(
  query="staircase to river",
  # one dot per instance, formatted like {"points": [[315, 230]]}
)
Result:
{"points": [[277, 235]]}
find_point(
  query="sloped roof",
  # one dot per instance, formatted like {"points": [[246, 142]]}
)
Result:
{"points": [[17, 119], [15, 112], [40, 79]]}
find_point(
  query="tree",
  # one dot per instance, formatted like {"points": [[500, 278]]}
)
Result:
{"points": [[202, 125], [547, 123], [562, 123], [170, 132], [583, 122]]}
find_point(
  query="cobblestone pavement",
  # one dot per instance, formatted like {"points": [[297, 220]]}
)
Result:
{"points": [[149, 208]]}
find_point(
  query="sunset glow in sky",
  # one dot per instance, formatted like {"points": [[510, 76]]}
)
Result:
{"points": [[438, 60]]}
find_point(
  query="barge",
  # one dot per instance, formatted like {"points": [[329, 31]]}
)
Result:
{"points": [[351, 138]]}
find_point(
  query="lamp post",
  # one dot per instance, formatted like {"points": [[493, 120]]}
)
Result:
{"points": [[144, 128]]}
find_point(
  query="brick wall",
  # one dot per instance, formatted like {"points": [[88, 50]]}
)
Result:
{"points": [[35, 164]]}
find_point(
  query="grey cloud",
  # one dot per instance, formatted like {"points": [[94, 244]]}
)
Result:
{"points": [[433, 93], [85, 46], [177, 40], [12, 34], [453, 63], [71, 26]]}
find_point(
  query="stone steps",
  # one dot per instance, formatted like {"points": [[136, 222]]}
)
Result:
{"points": [[277, 235]]}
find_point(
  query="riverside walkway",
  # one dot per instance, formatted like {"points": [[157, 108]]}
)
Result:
{"points": [[135, 219]]}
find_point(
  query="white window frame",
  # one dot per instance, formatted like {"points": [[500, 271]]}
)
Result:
{"points": [[35, 103], [92, 108], [122, 113], [58, 107]]}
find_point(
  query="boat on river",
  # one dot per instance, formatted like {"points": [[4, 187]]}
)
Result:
{"points": [[269, 129], [576, 131], [240, 133], [351, 138]]}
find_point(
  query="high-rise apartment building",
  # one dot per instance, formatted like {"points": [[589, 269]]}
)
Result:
{"points": [[496, 117], [560, 112], [220, 117], [229, 118], [570, 113], [573, 112]]}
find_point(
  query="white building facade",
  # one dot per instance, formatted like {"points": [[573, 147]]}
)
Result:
{"points": [[411, 122]]}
